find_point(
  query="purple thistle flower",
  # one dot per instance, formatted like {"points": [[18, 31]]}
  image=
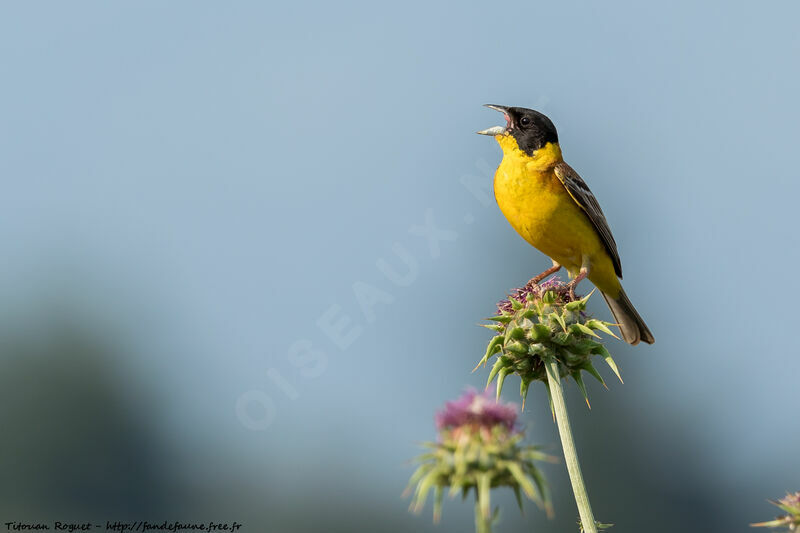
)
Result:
{"points": [[474, 409], [478, 449], [792, 501], [554, 284]]}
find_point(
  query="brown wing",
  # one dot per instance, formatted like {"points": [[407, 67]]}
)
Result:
{"points": [[580, 192]]}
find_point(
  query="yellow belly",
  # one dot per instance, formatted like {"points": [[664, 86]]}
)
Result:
{"points": [[541, 210]]}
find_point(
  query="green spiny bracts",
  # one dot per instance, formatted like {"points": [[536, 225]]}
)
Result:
{"points": [[544, 321], [790, 504], [479, 449]]}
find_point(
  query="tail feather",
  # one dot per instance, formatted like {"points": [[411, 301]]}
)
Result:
{"points": [[630, 323]]}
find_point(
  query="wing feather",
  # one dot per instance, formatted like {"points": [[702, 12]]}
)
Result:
{"points": [[580, 192]]}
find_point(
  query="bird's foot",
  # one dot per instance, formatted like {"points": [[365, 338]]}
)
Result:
{"points": [[574, 283], [536, 279]]}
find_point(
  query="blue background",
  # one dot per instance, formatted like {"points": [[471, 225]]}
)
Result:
{"points": [[189, 186]]}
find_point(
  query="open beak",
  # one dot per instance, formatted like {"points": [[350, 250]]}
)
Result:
{"points": [[497, 130]]}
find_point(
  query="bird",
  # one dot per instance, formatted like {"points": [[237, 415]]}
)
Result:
{"points": [[551, 207]]}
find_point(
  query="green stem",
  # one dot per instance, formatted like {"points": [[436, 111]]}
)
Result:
{"points": [[570, 454], [482, 524]]}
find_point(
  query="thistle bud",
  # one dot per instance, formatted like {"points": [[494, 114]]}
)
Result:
{"points": [[544, 321], [479, 448], [790, 504]]}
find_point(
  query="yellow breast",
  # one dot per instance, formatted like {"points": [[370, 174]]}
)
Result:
{"points": [[540, 209]]}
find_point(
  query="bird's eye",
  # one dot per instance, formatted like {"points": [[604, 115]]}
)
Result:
{"points": [[525, 121]]}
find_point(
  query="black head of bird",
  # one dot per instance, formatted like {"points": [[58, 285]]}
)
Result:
{"points": [[531, 129]]}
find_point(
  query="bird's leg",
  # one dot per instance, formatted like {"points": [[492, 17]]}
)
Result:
{"points": [[574, 282], [536, 279]]}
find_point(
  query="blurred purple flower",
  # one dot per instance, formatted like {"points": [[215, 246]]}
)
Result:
{"points": [[474, 409]]}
